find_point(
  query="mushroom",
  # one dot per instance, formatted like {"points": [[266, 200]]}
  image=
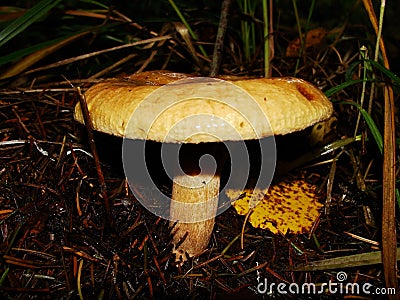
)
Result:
{"points": [[191, 116]]}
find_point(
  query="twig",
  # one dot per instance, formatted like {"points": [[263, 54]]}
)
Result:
{"points": [[253, 269], [88, 55], [148, 236], [159, 270], [78, 281], [207, 262], [26, 91], [268, 39], [244, 226], [219, 42], [113, 66], [154, 52], [89, 127], [389, 242]]}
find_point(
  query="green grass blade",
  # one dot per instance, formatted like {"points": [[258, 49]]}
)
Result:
{"points": [[392, 76], [373, 128], [398, 197], [97, 3], [19, 54], [284, 168], [4, 276], [371, 125], [351, 70], [340, 87], [388, 73], [23, 22], [355, 260], [183, 19], [16, 55], [31, 59]]}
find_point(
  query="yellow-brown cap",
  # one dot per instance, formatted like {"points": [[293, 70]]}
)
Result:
{"points": [[149, 106]]}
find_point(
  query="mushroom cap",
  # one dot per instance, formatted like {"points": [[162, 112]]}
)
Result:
{"points": [[178, 108]]}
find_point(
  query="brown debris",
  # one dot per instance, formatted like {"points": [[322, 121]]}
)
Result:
{"points": [[45, 170]]}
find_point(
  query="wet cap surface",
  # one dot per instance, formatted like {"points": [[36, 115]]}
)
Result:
{"points": [[173, 107]]}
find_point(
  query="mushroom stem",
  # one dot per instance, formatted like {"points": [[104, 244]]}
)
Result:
{"points": [[195, 193], [201, 190]]}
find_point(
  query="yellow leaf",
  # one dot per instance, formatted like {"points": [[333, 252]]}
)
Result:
{"points": [[288, 206]]}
